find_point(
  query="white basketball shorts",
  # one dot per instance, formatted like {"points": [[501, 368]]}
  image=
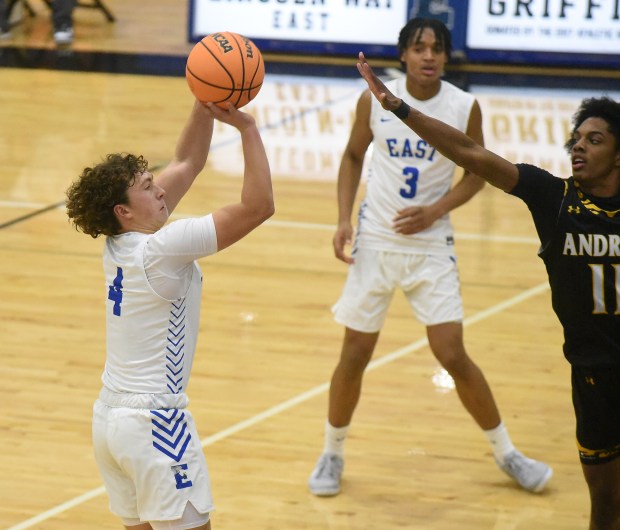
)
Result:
{"points": [[151, 462], [430, 284]]}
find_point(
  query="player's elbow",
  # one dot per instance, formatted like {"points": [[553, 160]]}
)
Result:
{"points": [[474, 162], [269, 210], [263, 209]]}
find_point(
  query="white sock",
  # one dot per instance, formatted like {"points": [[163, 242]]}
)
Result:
{"points": [[500, 442], [335, 438]]}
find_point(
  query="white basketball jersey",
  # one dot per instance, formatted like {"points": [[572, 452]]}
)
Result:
{"points": [[153, 289], [406, 171]]}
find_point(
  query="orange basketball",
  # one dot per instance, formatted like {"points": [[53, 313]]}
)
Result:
{"points": [[225, 67]]}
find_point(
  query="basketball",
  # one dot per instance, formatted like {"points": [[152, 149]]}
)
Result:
{"points": [[225, 67]]}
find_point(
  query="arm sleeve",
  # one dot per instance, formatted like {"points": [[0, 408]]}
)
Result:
{"points": [[543, 194], [170, 253]]}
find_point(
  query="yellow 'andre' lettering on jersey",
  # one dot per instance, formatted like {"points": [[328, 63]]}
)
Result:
{"points": [[591, 245], [574, 209]]}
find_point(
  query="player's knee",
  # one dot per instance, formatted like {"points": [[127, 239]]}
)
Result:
{"points": [[355, 360], [456, 363]]}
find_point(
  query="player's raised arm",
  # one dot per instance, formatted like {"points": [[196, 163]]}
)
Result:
{"points": [[256, 204], [190, 156], [449, 141]]}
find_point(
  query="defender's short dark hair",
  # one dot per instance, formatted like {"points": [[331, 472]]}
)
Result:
{"points": [[412, 31], [605, 108]]}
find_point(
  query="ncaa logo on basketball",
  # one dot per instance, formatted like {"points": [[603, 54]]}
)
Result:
{"points": [[248, 48], [223, 42]]}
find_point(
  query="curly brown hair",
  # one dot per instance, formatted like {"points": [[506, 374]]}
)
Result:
{"points": [[92, 197]]}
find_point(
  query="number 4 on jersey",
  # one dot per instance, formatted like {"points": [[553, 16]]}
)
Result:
{"points": [[115, 292]]}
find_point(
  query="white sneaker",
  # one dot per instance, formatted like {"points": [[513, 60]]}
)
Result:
{"points": [[530, 474], [325, 479], [63, 35]]}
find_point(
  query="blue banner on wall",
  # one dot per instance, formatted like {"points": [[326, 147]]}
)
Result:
{"points": [[453, 13]]}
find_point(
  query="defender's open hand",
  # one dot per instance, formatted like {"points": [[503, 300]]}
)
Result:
{"points": [[388, 100]]}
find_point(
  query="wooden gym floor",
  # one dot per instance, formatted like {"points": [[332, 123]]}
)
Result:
{"points": [[268, 344]]}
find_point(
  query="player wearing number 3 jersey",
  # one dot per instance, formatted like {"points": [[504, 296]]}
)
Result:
{"points": [[406, 172], [405, 241], [146, 444]]}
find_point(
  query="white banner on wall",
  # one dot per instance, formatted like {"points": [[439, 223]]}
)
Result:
{"points": [[531, 125], [566, 26], [306, 121], [305, 124], [348, 21]]}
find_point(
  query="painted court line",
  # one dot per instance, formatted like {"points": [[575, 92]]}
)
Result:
{"points": [[294, 401]]}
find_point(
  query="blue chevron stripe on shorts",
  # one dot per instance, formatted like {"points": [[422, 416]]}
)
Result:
{"points": [[170, 434]]}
